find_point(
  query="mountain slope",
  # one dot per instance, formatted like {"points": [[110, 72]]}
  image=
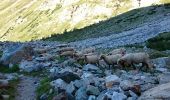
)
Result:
{"points": [[128, 21], [25, 20]]}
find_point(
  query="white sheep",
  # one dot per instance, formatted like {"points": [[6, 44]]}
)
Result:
{"points": [[135, 58], [92, 59], [111, 59], [118, 51]]}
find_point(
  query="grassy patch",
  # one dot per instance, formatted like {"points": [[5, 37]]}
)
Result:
{"points": [[157, 54], [45, 87], [160, 42], [11, 90], [5, 69], [60, 59], [39, 73]]}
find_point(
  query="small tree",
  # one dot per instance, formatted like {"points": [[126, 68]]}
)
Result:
{"points": [[139, 2]]}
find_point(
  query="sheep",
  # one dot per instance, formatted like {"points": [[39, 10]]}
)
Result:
{"points": [[135, 58], [111, 59], [88, 50], [92, 59], [66, 49], [118, 51], [67, 53], [79, 56]]}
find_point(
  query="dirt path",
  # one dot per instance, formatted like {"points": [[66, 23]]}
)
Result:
{"points": [[26, 88]]}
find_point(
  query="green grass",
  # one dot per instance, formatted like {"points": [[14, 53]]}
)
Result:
{"points": [[11, 91], [157, 54], [5, 69], [120, 23], [45, 87], [160, 42], [60, 59]]}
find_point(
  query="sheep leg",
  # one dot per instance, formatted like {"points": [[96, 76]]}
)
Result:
{"points": [[134, 67]]}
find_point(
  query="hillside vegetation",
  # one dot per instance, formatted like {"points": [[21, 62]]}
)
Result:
{"points": [[160, 42], [123, 22], [25, 20]]}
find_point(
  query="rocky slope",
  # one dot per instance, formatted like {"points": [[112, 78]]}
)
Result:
{"points": [[25, 20], [69, 79]]}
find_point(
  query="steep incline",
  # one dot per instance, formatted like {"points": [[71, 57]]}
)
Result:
{"points": [[25, 20], [136, 35]]}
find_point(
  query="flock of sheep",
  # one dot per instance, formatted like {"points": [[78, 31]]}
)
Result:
{"points": [[115, 57]]}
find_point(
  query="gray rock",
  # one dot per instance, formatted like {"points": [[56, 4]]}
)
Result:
{"points": [[163, 62], [87, 75], [15, 54], [43, 96], [54, 70], [59, 83], [111, 80], [29, 66], [164, 78], [92, 90], [78, 83], [133, 95], [126, 84], [92, 68], [92, 97], [102, 96], [118, 96], [66, 76], [70, 88], [157, 93], [147, 86], [81, 94]]}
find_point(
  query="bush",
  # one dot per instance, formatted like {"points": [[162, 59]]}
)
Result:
{"points": [[6, 69], [45, 87], [160, 42]]}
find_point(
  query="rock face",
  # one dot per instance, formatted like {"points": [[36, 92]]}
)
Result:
{"points": [[161, 92], [15, 54]]}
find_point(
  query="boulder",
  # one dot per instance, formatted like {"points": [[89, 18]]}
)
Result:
{"points": [[81, 94], [162, 63], [15, 54], [160, 92], [164, 78], [118, 96], [92, 97], [29, 66], [62, 96], [59, 83], [92, 90], [66, 76], [126, 84], [111, 80], [70, 88], [92, 68]]}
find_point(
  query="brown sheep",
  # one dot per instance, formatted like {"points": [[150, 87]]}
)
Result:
{"points": [[66, 49], [118, 51], [67, 53], [92, 59], [111, 59], [135, 58], [88, 50]]}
